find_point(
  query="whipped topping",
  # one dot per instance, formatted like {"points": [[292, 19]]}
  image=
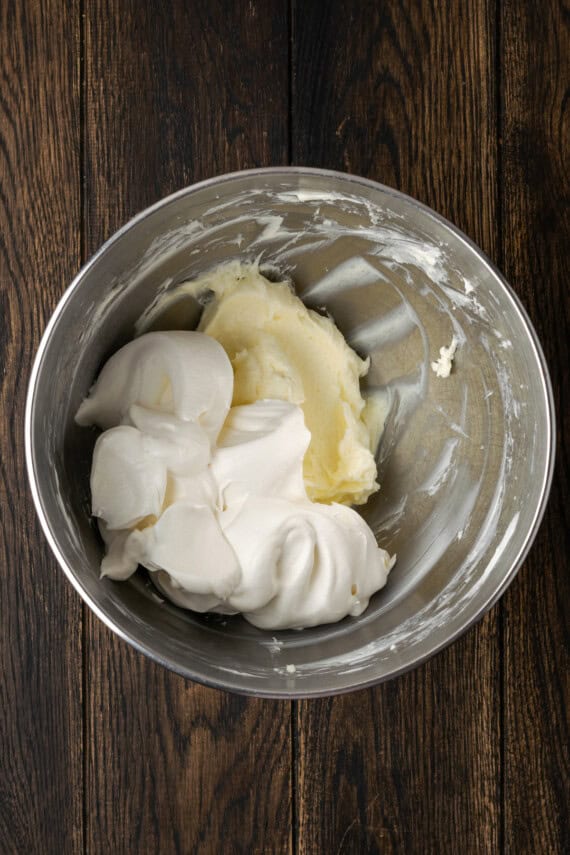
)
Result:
{"points": [[442, 367], [211, 499], [186, 376]]}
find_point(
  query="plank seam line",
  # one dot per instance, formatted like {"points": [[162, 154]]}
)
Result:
{"points": [[499, 111], [294, 780], [83, 258], [290, 35]]}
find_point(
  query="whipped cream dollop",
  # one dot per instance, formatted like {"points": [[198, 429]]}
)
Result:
{"points": [[211, 498]]}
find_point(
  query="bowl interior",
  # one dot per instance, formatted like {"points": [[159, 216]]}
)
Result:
{"points": [[464, 461]]}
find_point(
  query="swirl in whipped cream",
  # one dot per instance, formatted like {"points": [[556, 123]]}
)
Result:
{"points": [[211, 499]]}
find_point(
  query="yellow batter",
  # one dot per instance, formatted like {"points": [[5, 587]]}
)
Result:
{"points": [[280, 349]]}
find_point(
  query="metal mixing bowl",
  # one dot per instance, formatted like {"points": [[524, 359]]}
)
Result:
{"points": [[465, 462]]}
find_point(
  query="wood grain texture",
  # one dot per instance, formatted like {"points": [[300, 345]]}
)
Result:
{"points": [[466, 107], [176, 92], [535, 46], [40, 623], [182, 91], [404, 92]]}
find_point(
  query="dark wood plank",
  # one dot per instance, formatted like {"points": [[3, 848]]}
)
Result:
{"points": [[536, 218], [176, 92], [40, 625], [404, 92]]}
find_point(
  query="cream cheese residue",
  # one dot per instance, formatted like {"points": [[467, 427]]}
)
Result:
{"points": [[442, 367]]}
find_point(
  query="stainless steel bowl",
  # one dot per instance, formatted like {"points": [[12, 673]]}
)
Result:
{"points": [[465, 462]]}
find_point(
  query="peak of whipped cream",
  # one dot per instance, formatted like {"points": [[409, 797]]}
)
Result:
{"points": [[211, 499], [186, 376]]}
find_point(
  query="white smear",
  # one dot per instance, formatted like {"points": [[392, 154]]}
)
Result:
{"points": [[354, 273], [441, 470], [401, 250], [468, 302], [503, 543], [310, 246], [388, 522], [387, 329], [290, 669], [308, 196], [458, 429], [246, 197], [271, 230]]}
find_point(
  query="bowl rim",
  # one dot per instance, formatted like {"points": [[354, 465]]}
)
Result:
{"points": [[227, 683]]}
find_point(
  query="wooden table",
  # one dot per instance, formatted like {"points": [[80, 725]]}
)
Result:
{"points": [[105, 107]]}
